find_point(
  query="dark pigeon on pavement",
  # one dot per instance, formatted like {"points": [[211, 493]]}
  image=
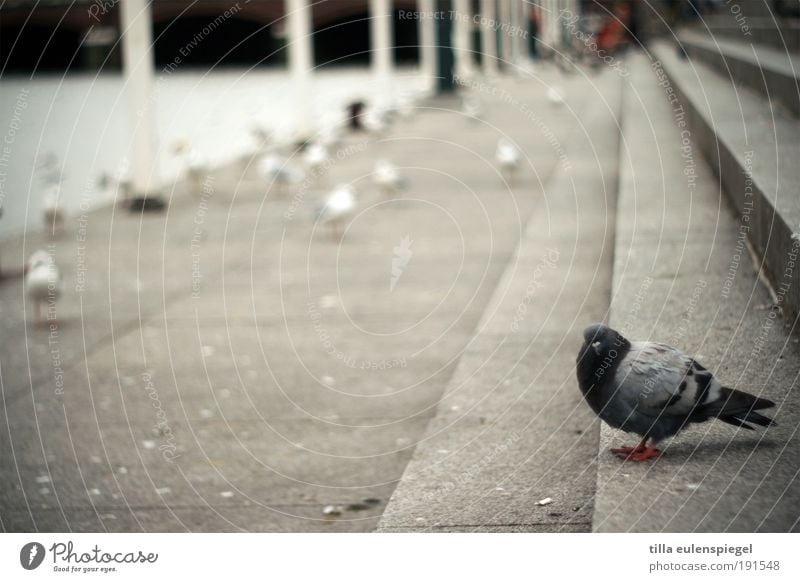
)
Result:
{"points": [[655, 390]]}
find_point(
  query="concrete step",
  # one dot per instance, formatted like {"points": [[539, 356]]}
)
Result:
{"points": [[754, 9], [780, 34], [754, 148], [772, 72], [511, 428], [682, 276]]}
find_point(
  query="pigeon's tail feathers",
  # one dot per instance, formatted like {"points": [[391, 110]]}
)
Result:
{"points": [[759, 419], [753, 417], [735, 422], [739, 408]]}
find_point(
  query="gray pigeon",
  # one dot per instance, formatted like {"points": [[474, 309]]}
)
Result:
{"points": [[655, 390]]}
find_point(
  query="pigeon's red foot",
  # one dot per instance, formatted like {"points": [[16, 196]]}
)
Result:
{"points": [[625, 451], [644, 454]]}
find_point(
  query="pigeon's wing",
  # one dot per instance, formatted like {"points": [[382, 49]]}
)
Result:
{"points": [[657, 379]]}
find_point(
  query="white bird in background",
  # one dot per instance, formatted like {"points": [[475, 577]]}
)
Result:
{"points": [[197, 168], [315, 156], [247, 148], [42, 285], [51, 174], [404, 105], [375, 121], [122, 177], [181, 147], [387, 177], [508, 158], [261, 136], [284, 135], [472, 107], [278, 173], [49, 169], [555, 95], [339, 206], [330, 135], [52, 212], [195, 165]]}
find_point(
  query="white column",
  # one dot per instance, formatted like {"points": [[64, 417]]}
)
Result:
{"points": [[380, 24], [550, 16], [573, 6], [544, 24], [137, 40], [489, 36], [462, 38], [301, 63], [426, 32]]}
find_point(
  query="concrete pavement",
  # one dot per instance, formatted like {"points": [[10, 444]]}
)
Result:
{"points": [[225, 366]]}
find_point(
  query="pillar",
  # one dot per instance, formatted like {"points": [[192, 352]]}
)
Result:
{"points": [[301, 63], [489, 36], [462, 38], [381, 20], [551, 26], [427, 41], [137, 39]]}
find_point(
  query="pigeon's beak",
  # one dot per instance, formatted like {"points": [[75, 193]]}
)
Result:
{"points": [[596, 347]]}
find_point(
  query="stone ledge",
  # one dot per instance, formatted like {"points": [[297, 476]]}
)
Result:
{"points": [[754, 149], [770, 71]]}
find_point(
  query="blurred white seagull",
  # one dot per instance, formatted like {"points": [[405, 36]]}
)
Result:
{"points": [[508, 158], [405, 104], [555, 96], [472, 107], [277, 172], [376, 122], [387, 177], [42, 285], [315, 156], [197, 168], [51, 210], [339, 206]]}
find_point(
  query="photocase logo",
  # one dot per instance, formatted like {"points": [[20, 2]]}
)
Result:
{"points": [[31, 555], [402, 255]]}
